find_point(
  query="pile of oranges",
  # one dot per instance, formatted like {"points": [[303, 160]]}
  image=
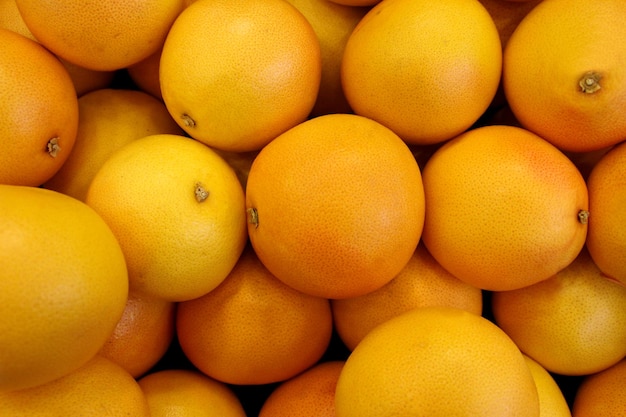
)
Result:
{"points": [[313, 208]]}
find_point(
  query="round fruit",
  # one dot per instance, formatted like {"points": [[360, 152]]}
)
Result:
{"points": [[97, 35], [572, 324], [606, 239], [311, 393], [602, 394], [335, 206], [39, 111], [63, 285], [504, 208], [422, 282], [99, 388], [143, 334], [188, 393], [178, 211], [253, 329], [564, 74], [236, 74], [552, 402], [108, 119], [419, 68], [436, 361]]}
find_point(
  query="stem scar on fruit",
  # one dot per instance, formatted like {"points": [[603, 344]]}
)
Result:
{"points": [[53, 147], [200, 192], [187, 120], [590, 82], [253, 216], [583, 216]]}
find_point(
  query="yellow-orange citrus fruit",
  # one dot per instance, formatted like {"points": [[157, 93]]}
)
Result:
{"points": [[436, 361], [572, 324], [108, 119], [309, 394], [504, 208], [63, 285], [84, 79], [420, 69], [188, 393], [333, 23], [142, 335], [99, 388], [253, 329], [145, 74], [235, 75], [178, 211], [39, 111], [335, 205], [552, 402], [606, 239], [100, 36], [602, 394], [422, 282], [563, 73], [507, 15]]}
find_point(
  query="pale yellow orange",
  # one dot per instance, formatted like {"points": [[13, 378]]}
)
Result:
{"points": [[63, 285], [572, 324], [97, 35], [235, 75], [563, 73], [188, 393], [99, 388], [422, 282], [253, 329], [335, 206], [39, 111], [504, 208], [419, 68], [178, 211], [108, 119], [552, 402], [436, 361]]}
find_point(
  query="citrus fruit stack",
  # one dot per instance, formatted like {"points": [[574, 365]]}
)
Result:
{"points": [[312, 207]]}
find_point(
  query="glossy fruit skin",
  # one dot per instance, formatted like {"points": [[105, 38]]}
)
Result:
{"points": [[63, 285]]}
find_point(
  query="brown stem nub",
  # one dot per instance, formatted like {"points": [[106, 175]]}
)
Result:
{"points": [[253, 216], [188, 121], [53, 147], [583, 216], [200, 192], [590, 82]]}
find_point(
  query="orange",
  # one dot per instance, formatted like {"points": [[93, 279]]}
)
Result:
{"points": [[422, 282], [602, 394], [333, 23], [335, 206], [504, 208], [143, 334], [84, 79], [436, 361], [309, 394], [564, 76], [108, 119], [145, 75], [63, 285], [420, 69], [572, 324], [100, 36], [39, 111], [235, 75], [99, 388], [253, 329], [178, 211], [606, 239], [507, 14], [188, 393], [552, 402]]}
